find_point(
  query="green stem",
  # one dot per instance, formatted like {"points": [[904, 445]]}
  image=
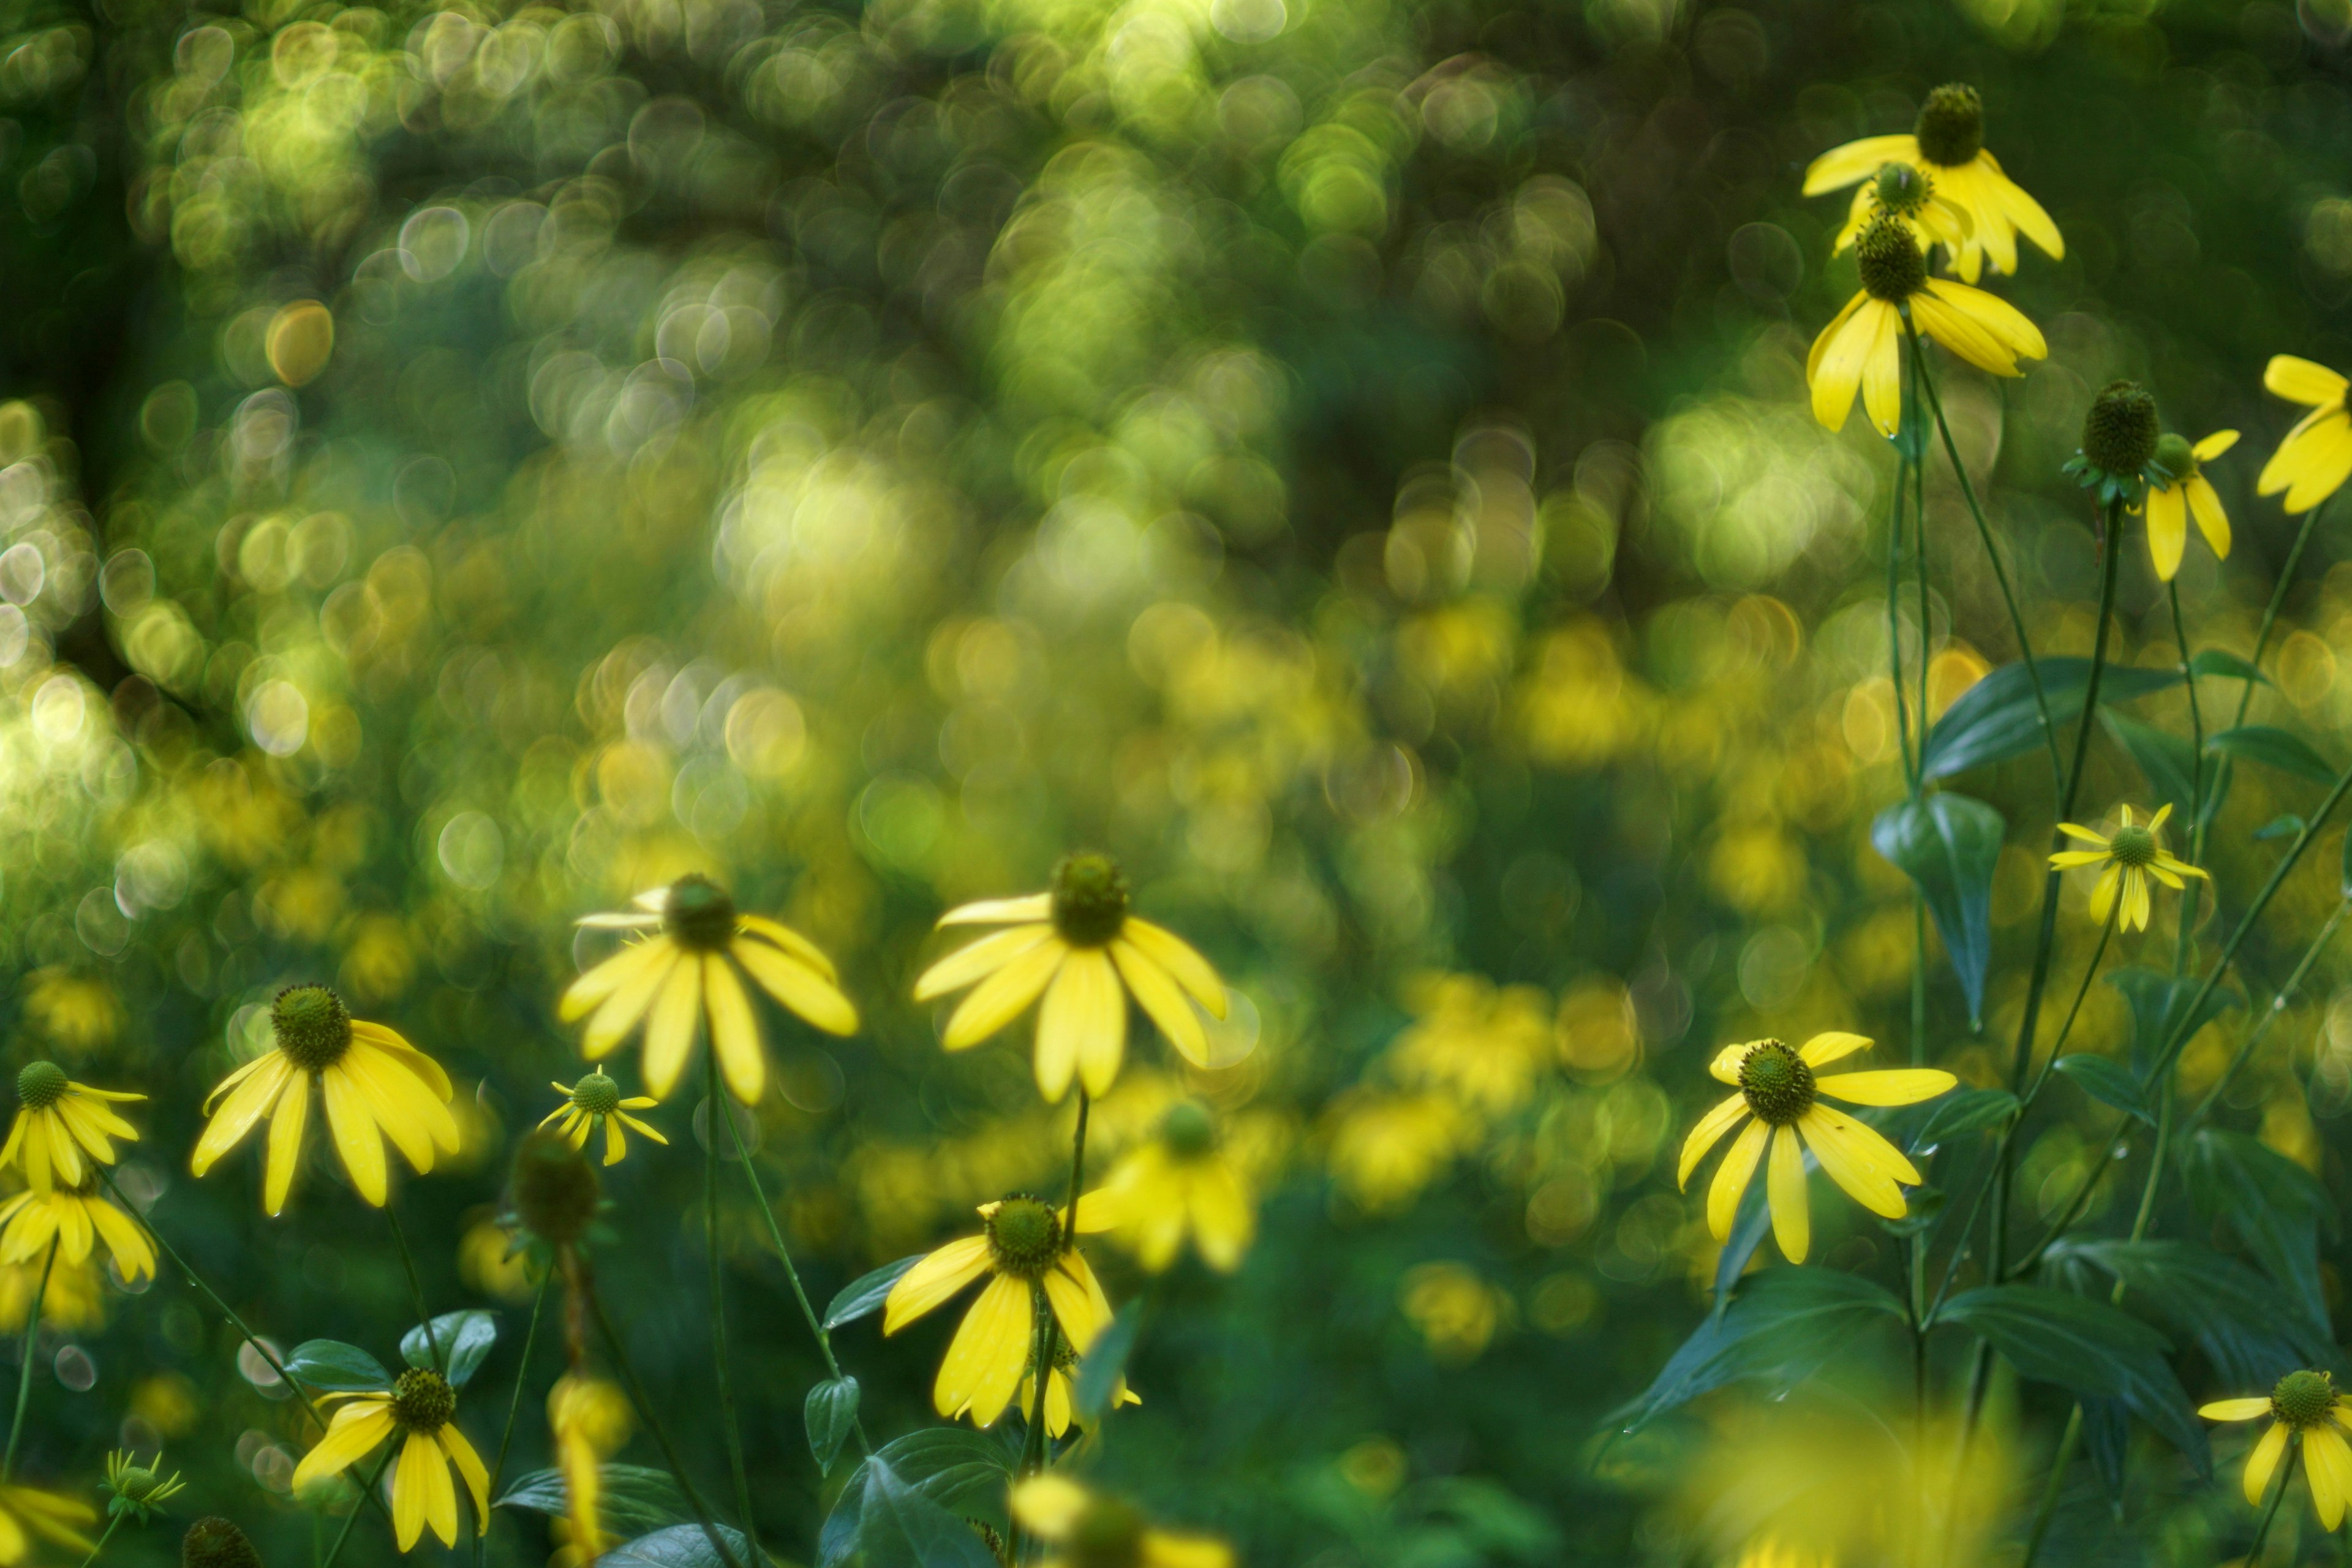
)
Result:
{"points": [[2193, 894], [2041, 1515], [514, 1403], [2271, 1013], [2262, 1530], [25, 1376], [717, 1110], [1895, 630], [416, 1288], [366, 1491], [105, 1536], [628, 1370], [2261, 643], [2090, 972], [2105, 1160], [1032, 1457]]}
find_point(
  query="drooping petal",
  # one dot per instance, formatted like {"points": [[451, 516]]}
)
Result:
{"points": [[356, 1429], [1179, 959], [2212, 518], [1837, 373], [1731, 1178], [1707, 1134], [669, 1032], [1725, 1068], [734, 1032], [1892, 1086], [1077, 1300], [990, 1349], [1882, 375], [977, 960], [1792, 1224], [286, 1140], [622, 969], [937, 1278], [1083, 1023], [1830, 1046], [2262, 1460], [470, 1465], [2302, 381], [2103, 893], [409, 1487], [800, 989], [1858, 160], [260, 1081], [1849, 1162], [2168, 529], [628, 1003], [2235, 1409], [1001, 911], [354, 1130], [133, 1256], [792, 942], [1002, 997], [1157, 991], [2329, 1464]]}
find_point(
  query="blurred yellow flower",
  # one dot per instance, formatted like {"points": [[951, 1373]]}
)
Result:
{"points": [[1179, 1182], [1088, 1528], [1778, 1088], [2305, 1407], [1772, 1551], [2133, 855], [1488, 1049], [595, 1101], [27, 1511], [1454, 1310], [58, 1123], [680, 971], [2313, 459], [2187, 494], [1075, 945], [74, 1301], [590, 1420], [420, 1410], [72, 1009], [1020, 1249], [376, 1085], [1385, 1148], [74, 1217], [170, 1402], [489, 1260]]}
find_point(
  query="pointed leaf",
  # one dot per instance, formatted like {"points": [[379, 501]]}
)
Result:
{"points": [[2085, 1347], [2235, 1316], [2273, 1206], [2223, 663], [2108, 1081], [2285, 826], [631, 1500], [962, 1473], [831, 1413], [865, 1295], [2166, 760], [679, 1546], [1783, 1326], [1950, 844], [331, 1366], [1963, 1112], [1996, 719], [462, 1339], [2160, 1008], [2274, 748]]}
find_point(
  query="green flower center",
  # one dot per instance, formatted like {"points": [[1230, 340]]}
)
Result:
{"points": [[1951, 127], [1107, 1534], [217, 1543], [2176, 457], [1777, 1082], [2134, 846], [1900, 188], [555, 1192], [1892, 267], [1090, 900], [1190, 1131], [699, 913], [313, 1027], [597, 1095], [1025, 1235], [422, 1401], [2304, 1399], [40, 1084], [135, 1482], [2119, 433]]}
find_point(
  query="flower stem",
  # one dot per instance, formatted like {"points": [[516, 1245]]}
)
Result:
{"points": [[514, 1405], [717, 1108], [628, 1369], [2090, 972], [416, 1288], [2271, 1014], [2058, 1468], [1033, 1458], [2262, 1530], [105, 1536], [366, 1491], [2193, 894], [25, 1376], [2261, 643]]}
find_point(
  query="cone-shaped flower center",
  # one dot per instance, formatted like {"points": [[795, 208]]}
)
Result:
{"points": [[421, 1400], [1777, 1082], [1090, 900], [2176, 457], [1892, 267], [133, 1483], [313, 1027], [1900, 188], [1951, 127], [555, 1192], [1107, 1534], [2134, 846], [1191, 1129], [2120, 431], [217, 1543], [1025, 1235], [40, 1084], [2303, 1398], [699, 913], [597, 1095]]}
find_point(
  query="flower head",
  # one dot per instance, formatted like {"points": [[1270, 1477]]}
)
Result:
{"points": [[215, 1542], [139, 1490], [2120, 433], [2316, 458], [2135, 854], [595, 1101], [1906, 192], [2177, 491], [553, 1192], [60, 1125], [419, 1410], [1179, 1183], [1087, 1530], [73, 1217], [1780, 1090], [1075, 945], [376, 1086], [684, 970], [2303, 1405]]}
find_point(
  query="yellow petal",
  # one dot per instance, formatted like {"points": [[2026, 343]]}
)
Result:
{"points": [[260, 1081], [1050, 1504], [1731, 1178], [792, 942], [286, 1140], [2167, 530], [2212, 518], [409, 1488], [623, 968], [734, 1032], [1851, 1163], [1827, 335], [1792, 1225], [1077, 1300], [2329, 1464], [1082, 1023], [800, 988], [669, 1033], [470, 1465], [1002, 995], [1882, 375], [628, 1003], [356, 1429], [1894, 1086], [1842, 166], [1157, 991], [1181, 960], [977, 960], [1707, 1134], [1830, 1046], [2301, 381], [987, 1354], [2213, 446], [2262, 1460], [933, 1281], [1838, 370], [1001, 911], [2234, 1409], [1725, 1068], [356, 1139]]}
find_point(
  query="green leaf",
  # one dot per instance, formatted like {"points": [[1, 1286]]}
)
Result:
{"points": [[2159, 1007], [1105, 1362], [1752, 1223], [463, 1339], [2085, 1347], [865, 1295], [2285, 826], [679, 1546], [2274, 748], [1963, 1112], [2273, 1206], [2222, 662], [2108, 1081], [831, 1413], [1783, 1325], [631, 1499], [2166, 760], [2234, 1315], [1948, 845], [889, 1511], [1996, 720], [331, 1366]]}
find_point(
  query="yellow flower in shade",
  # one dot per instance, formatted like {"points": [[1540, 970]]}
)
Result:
{"points": [[1020, 1249], [1062, 1391], [1861, 350], [1947, 144], [75, 1299], [27, 1513], [419, 1410], [60, 1124], [1178, 1183], [590, 1419], [2316, 458], [1085, 1529], [1909, 192], [2188, 494], [75, 1219], [1778, 1089], [2305, 1407], [595, 1100], [377, 1086], [1074, 946], [684, 970], [2131, 857]]}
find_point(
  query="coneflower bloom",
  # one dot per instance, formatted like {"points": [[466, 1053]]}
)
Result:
{"points": [[60, 1125], [1177, 1184], [2316, 458], [2303, 1405], [420, 1411], [595, 1102], [1906, 192], [1082, 1529], [73, 1217], [2185, 493], [2132, 856]]}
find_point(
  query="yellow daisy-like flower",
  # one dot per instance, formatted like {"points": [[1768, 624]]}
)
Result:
{"points": [[1020, 1249], [74, 1217], [685, 969], [1177, 1183], [27, 1513], [1862, 349], [2133, 855], [1778, 1088], [2316, 458], [420, 1409], [2305, 1407], [1947, 144], [1909, 192], [2190, 494], [1088, 1529], [59, 1125], [1074, 946], [377, 1086], [595, 1100]]}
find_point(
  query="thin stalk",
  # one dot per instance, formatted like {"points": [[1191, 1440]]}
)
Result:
{"points": [[2164, 1114], [2041, 1515], [2075, 1205], [2262, 1530], [25, 1376], [645, 1408], [416, 1288], [1033, 1458], [2261, 643], [2090, 972], [1895, 631], [366, 1491], [2271, 1013], [107, 1535], [717, 1110], [2193, 894], [514, 1405]]}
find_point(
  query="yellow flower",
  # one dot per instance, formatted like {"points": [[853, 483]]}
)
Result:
{"points": [[58, 1123], [596, 1101], [27, 1511], [75, 1299], [377, 1086], [680, 971], [74, 1217], [1178, 1182], [1778, 1089], [590, 1419], [1947, 144], [1861, 350], [2305, 1407], [1021, 1248], [1090, 1528], [2190, 494], [1489, 1048], [2133, 855], [419, 1409], [1909, 192], [2314, 460], [1062, 1391], [1074, 945]]}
